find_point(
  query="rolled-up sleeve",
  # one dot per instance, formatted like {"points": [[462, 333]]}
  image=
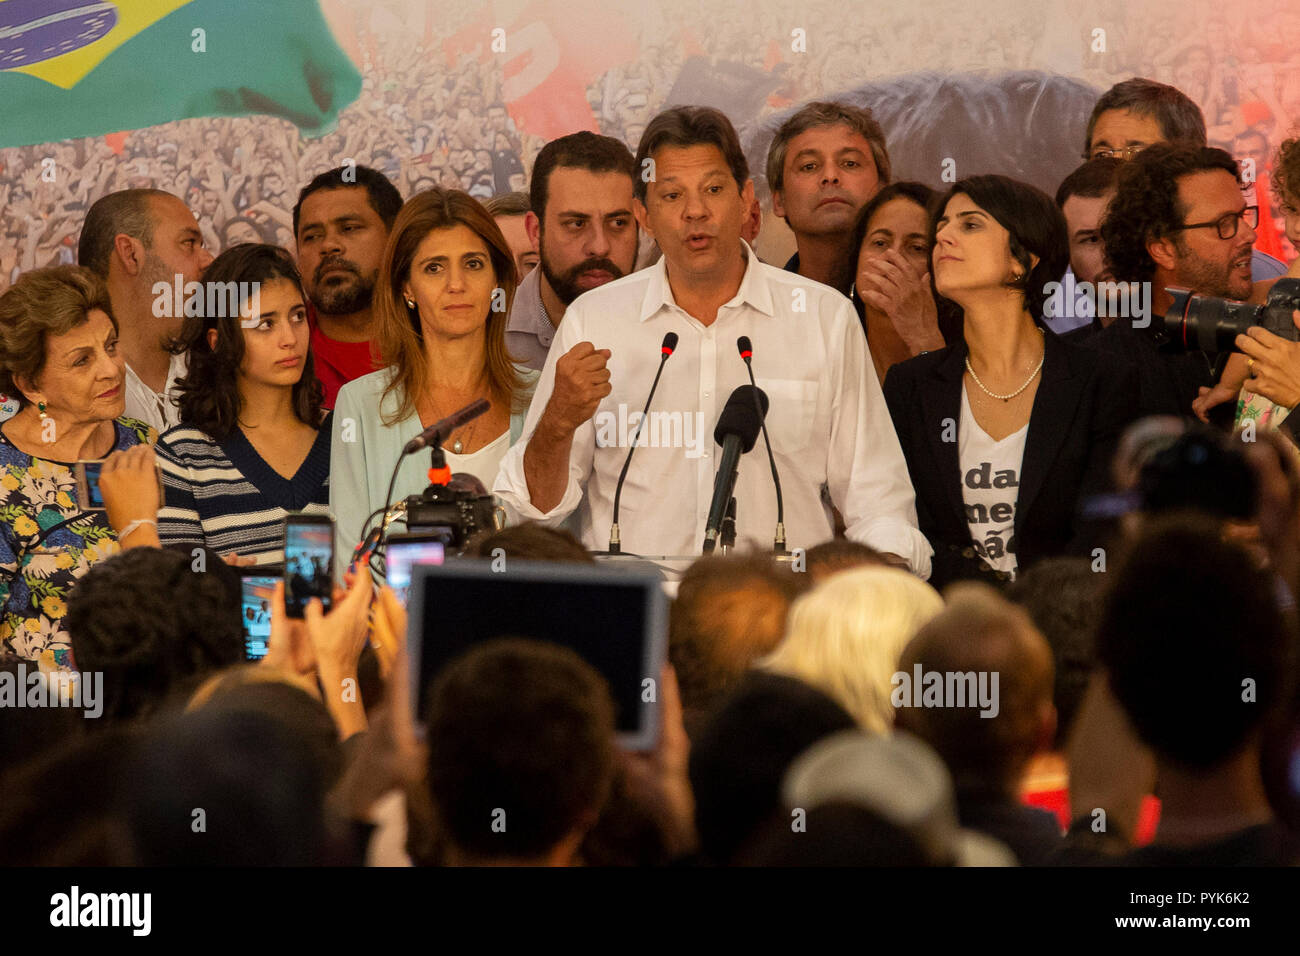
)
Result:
{"points": [[511, 485], [866, 471]]}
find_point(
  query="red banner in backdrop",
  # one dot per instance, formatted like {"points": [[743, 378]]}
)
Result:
{"points": [[548, 61]]}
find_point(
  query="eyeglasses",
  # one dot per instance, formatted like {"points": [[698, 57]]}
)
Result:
{"points": [[1226, 224], [1122, 152]]}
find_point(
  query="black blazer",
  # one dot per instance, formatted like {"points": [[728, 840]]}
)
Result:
{"points": [[1084, 401], [1168, 379]]}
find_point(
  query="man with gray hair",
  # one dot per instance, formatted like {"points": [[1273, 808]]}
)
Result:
{"points": [[825, 163], [135, 239]]}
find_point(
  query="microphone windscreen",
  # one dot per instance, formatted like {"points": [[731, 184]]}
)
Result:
{"points": [[741, 418], [670, 343], [744, 346]]}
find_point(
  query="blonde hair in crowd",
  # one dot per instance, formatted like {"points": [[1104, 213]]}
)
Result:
{"points": [[846, 635]]}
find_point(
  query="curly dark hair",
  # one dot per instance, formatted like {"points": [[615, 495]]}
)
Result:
{"points": [[154, 626], [1286, 172], [1146, 204], [209, 392]]}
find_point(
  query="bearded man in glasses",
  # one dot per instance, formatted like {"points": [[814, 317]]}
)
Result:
{"points": [[1178, 220]]}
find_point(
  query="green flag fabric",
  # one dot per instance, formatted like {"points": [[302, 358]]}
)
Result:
{"points": [[75, 68]]}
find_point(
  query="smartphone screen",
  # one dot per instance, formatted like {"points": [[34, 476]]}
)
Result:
{"points": [[255, 609], [400, 556], [308, 563], [88, 496]]}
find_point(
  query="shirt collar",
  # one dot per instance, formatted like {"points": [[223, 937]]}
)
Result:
{"points": [[528, 312], [178, 366], [753, 291]]}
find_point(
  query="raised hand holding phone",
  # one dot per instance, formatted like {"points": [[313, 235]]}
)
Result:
{"points": [[391, 755], [132, 495], [308, 562], [338, 639], [288, 648]]}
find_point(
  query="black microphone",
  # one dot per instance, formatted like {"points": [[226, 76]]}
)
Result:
{"points": [[666, 349], [747, 353], [440, 430], [737, 430]]}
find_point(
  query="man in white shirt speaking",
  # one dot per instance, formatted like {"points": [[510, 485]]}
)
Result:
{"points": [[828, 422]]}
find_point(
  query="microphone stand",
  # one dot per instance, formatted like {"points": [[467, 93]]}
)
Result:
{"points": [[439, 473], [778, 543], [666, 350]]}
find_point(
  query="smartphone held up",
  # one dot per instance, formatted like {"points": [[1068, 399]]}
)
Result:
{"points": [[308, 562]]}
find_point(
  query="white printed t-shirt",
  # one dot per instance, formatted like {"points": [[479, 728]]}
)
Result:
{"points": [[990, 487]]}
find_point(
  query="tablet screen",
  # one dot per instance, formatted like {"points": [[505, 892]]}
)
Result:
{"points": [[615, 619]]}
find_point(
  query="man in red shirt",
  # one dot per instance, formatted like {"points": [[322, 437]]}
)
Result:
{"points": [[341, 223]]}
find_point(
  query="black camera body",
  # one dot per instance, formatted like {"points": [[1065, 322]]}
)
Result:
{"points": [[454, 512], [1202, 323], [1202, 470]]}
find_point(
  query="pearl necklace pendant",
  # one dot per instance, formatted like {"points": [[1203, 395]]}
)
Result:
{"points": [[457, 447]]}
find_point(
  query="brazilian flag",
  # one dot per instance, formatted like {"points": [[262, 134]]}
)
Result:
{"points": [[74, 68]]}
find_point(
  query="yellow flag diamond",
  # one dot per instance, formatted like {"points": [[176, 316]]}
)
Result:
{"points": [[39, 31]]}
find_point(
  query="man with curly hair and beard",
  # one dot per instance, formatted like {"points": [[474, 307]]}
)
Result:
{"points": [[1178, 220]]}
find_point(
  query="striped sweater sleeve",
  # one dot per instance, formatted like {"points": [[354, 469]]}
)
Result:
{"points": [[178, 520]]}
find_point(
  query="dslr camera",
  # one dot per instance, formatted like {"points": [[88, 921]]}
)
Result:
{"points": [[1203, 323]]}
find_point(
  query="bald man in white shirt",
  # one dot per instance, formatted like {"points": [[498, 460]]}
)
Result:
{"points": [[141, 241], [828, 421]]}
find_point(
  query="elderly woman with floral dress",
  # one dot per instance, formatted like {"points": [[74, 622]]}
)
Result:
{"points": [[58, 356]]}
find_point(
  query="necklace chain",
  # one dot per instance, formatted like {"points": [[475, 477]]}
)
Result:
{"points": [[467, 437], [1006, 398]]}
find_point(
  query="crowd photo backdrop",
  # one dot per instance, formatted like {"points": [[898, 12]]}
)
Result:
{"points": [[235, 106]]}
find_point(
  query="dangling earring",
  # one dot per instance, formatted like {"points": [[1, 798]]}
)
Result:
{"points": [[40, 407]]}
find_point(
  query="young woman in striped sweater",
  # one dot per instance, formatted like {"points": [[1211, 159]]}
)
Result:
{"points": [[253, 443]]}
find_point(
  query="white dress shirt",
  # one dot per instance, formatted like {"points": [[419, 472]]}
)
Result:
{"points": [[144, 403], [828, 421]]}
